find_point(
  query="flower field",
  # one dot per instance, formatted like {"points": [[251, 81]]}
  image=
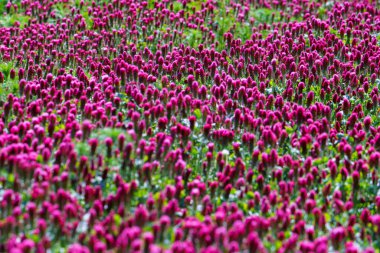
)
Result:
{"points": [[187, 126]]}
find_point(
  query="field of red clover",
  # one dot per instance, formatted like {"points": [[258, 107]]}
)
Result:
{"points": [[207, 126]]}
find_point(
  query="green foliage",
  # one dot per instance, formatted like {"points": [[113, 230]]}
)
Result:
{"points": [[103, 133], [61, 10], [177, 6], [195, 4], [3, 4], [89, 21], [5, 68], [322, 12], [194, 37], [10, 19], [9, 86], [264, 15]]}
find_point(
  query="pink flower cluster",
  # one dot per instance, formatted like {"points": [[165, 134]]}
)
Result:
{"points": [[189, 126]]}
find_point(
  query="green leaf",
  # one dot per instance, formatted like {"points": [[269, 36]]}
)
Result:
{"points": [[118, 220], [198, 113], [320, 161], [11, 178]]}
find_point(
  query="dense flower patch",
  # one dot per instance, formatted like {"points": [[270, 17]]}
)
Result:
{"points": [[189, 126]]}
